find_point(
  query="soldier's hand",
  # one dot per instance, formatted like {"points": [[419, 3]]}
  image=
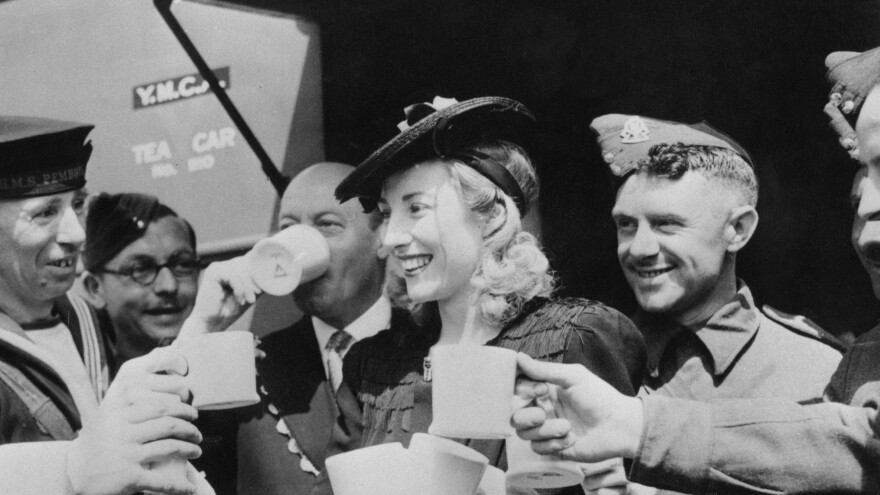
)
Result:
{"points": [[604, 478], [571, 412]]}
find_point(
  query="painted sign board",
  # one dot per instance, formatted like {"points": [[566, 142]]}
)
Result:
{"points": [[158, 128]]}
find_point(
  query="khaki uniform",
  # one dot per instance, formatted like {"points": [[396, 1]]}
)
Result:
{"points": [[740, 352]]}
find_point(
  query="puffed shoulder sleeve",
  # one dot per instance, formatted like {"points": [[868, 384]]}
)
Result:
{"points": [[609, 345]]}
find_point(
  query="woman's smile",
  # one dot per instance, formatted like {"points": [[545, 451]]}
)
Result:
{"points": [[413, 264]]}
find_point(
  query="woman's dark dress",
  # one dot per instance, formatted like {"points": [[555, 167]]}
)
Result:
{"points": [[385, 372]]}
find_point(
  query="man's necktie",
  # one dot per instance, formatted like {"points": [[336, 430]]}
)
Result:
{"points": [[337, 343]]}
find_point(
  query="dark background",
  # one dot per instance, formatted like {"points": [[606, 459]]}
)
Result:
{"points": [[753, 69]]}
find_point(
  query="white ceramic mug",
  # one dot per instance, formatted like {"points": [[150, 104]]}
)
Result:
{"points": [[170, 469], [384, 469], [527, 468], [221, 371], [472, 391], [297, 254], [494, 482], [445, 467]]}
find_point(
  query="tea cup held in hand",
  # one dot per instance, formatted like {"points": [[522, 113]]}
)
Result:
{"points": [[527, 468], [472, 391], [445, 467], [494, 482], [169, 469], [297, 254], [384, 469], [221, 371]]}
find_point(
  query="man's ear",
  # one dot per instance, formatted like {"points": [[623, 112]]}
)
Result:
{"points": [[94, 290], [740, 227]]}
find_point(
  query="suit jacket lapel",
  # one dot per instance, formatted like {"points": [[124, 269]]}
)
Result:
{"points": [[293, 375], [314, 428]]}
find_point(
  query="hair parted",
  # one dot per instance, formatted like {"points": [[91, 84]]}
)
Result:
{"points": [[512, 269], [671, 161]]}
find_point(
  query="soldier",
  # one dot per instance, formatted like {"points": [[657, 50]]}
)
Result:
{"points": [[57, 434], [142, 271], [685, 207], [748, 445]]}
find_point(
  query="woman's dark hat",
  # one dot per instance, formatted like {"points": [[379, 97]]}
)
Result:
{"points": [[40, 157], [442, 129]]}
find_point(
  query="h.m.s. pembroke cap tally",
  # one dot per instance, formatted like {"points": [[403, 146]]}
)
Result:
{"points": [[852, 76], [440, 129], [626, 139], [39, 156]]}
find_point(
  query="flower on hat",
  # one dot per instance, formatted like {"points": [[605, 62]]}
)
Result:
{"points": [[418, 111], [634, 131]]}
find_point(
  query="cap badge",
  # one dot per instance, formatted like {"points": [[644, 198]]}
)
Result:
{"points": [[634, 131]]}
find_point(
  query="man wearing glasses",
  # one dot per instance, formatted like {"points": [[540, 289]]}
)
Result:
{"points": [[142, 271]]}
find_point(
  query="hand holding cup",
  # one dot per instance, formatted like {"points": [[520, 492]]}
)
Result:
{"points": [[141, 428], [226, 291], [590, 420], [276, 265]]}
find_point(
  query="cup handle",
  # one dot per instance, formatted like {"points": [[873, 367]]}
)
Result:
{"points": [[546, 402]]}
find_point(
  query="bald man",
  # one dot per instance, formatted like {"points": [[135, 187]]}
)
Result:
{"points": [[283, 441]]}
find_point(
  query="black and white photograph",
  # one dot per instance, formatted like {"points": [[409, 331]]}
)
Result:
{"points": [[498, 247]]}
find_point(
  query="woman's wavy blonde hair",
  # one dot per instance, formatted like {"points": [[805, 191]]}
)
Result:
{"points": [[512, 269]]}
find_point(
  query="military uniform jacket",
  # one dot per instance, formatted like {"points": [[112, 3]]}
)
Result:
{"points": [[740, 352], [35, 404], [771, 445], [857, 379], [40, 407]]}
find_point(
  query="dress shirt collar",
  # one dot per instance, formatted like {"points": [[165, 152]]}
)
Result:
{"points": [[374, 320], [724, 335]]}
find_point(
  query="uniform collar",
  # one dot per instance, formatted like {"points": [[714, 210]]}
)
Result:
{"points": [[724, 335]]}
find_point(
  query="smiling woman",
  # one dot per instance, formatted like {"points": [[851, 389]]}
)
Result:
{"points": [[457, 235], [452, 188]]}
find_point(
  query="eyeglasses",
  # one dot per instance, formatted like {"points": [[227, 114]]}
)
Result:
{"points": [[145, 272]]}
